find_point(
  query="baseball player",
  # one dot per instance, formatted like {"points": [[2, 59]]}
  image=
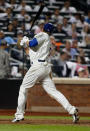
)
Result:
{"points": [[39, 48]]}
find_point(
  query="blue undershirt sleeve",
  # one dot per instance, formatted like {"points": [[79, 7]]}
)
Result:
{"points": [[33, 42]]}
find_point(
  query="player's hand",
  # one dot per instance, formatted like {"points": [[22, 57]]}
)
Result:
{"points": [[24, 41]]}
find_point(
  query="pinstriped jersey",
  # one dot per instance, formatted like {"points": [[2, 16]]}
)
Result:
{"points": [[42, 50]]}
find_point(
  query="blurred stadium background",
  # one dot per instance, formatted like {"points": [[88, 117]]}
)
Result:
{"points": [[70, 52]]}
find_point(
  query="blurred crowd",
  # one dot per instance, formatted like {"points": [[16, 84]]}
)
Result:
{"points": [[70, 50]]}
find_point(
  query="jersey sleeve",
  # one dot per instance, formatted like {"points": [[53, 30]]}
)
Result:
{"points": [[38, 39]]}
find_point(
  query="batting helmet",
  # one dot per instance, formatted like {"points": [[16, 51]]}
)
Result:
{"points": [[48, 27]]}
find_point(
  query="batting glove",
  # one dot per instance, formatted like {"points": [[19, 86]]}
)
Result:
{"points": [[24, 40]]}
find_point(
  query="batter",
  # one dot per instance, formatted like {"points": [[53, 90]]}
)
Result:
{"points": [[40, 71]]}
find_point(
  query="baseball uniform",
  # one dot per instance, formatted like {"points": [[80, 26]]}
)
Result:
{"points": [[39, 71]]}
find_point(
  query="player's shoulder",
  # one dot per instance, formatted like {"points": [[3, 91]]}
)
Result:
{"points": [[42, 34]]}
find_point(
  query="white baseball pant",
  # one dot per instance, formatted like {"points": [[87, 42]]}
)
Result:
{"points": [[40, 71]]}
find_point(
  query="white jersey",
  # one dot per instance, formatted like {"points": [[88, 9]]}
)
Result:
{"points": [[41, 51]]}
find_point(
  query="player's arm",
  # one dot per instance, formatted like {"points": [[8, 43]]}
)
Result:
{"points": [[25, 42], [31, 43], [37, 40], [27, 50]]}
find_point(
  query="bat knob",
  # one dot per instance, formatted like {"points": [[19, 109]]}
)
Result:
{"points": [[30, 34]]}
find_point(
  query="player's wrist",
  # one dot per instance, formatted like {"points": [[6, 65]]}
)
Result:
{"points": [[27, 42]]}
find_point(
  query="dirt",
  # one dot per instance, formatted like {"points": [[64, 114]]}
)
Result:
{"points": [[41, 121], [48, 122]]}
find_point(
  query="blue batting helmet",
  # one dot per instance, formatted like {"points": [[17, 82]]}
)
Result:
{"points": [[48, 27]]}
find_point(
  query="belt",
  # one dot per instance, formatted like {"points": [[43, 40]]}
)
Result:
{"points": [[39, 61]]}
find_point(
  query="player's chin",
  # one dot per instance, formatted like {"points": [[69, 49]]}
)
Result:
{"points": [[49, 33]]}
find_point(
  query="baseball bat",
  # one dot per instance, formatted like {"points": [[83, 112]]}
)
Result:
{"points": [[37, 16]]}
